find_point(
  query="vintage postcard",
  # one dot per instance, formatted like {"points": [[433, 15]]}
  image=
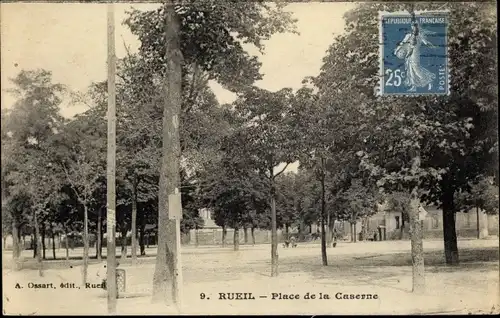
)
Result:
{"points": [[249, 158]]}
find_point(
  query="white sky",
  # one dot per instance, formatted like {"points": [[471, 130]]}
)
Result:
{"points": [[69, 39]]}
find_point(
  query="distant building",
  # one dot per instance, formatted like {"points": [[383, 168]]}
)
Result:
{"points": [[209, 223], [432, 219]]}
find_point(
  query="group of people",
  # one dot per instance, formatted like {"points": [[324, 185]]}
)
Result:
{"points": [[290, 241]]}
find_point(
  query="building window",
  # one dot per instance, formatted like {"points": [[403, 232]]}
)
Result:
{"points": [[435, 222], [397, 222], [205, 214]]}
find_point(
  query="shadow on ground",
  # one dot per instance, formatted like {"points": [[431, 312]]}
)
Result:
{"points": [[362, 269], [482, 260]]}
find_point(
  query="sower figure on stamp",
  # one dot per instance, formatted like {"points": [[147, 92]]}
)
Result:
{"points": [[409, 50]]}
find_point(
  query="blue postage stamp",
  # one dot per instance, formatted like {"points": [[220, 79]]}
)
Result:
{"points": [[414, 53]]}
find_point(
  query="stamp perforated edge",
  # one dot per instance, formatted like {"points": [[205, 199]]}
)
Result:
{"points": [[379, 91]]}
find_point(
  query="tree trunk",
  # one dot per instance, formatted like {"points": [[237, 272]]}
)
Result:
{"points": [[134, 223], [98, 248], [331, 226], [354, 231], [123, 236], [16, 250], [102, 239], [245, 234], [483, 232], [253, 235], [477, 223], [401, 232], [38, 245], [274, 232], [329, 229], [417, 249], [167, 278], [34, 243], [449, 231], [85, 243], [141, 236], [364, 228], [44, 247], [67, 245], [53, 242], [236, 237], [324, 257], [224, 233], [196, 238]]}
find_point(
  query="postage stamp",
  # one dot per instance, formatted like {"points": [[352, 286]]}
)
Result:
{"points": [[414, 53]]}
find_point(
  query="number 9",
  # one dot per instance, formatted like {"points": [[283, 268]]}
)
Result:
{"points": [[202, 296]]}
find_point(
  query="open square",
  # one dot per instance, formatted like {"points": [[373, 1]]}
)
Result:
{"points": [[366, 268]]}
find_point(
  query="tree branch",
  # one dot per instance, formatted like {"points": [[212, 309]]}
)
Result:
{"points": [[73, 186], [191, 91], [192, 95], [282, 170]]}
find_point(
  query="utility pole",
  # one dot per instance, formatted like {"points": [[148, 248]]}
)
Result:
{"points": [[111, 166]]}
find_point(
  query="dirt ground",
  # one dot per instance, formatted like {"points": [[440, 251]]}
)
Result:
{"points": [[365, 268]]}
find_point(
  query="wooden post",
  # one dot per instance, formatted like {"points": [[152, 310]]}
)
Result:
{"points": [[111, 165]]}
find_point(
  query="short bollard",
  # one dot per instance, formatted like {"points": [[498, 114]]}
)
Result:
{"points": [[121, 280]]}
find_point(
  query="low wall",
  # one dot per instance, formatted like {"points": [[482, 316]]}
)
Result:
{"points": [[438, 233], [214, 237]]}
